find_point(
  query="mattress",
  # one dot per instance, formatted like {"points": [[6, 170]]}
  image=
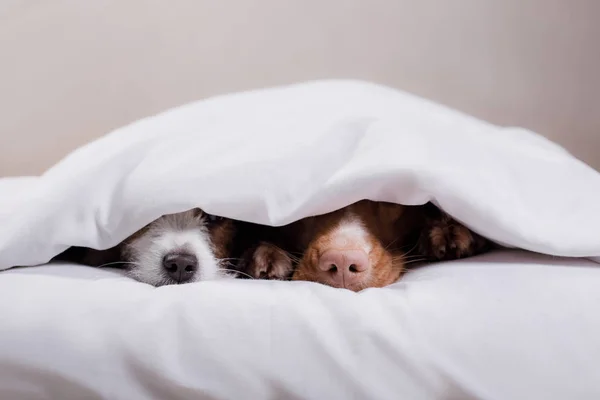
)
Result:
{"points": [[505, 325]]}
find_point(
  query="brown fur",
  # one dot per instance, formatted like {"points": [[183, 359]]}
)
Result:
{"points": [[385, 258], [397, 235], [222, 235]]}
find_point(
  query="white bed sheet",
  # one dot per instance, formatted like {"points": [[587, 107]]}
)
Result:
{"points": [[506, 325]]}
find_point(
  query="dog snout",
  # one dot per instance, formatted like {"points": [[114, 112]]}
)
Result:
{"points": [[181, 267], [345, 267]]}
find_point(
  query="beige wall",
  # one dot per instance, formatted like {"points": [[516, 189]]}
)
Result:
{"points": [[71, 70]]}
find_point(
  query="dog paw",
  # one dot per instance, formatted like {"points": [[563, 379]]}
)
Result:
{"points": [[269, 262], [446, 239]]}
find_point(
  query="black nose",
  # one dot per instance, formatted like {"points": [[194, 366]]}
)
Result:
{"points": [[181, 267]]}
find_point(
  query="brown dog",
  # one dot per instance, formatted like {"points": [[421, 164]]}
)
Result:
{"points": [[367, 244]]}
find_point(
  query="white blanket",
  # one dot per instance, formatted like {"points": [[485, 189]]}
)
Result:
{"points": [[273, 156]]}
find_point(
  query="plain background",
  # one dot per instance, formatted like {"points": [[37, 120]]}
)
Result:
{"points": [[73, 70]]}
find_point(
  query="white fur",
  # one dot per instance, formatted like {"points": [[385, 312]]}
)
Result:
{"points": [[182, 231], [351, 232]]}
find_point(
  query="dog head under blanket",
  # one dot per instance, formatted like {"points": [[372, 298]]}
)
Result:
{"points": [[278, 155]]}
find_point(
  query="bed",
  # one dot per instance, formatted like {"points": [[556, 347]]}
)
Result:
{"points": [[518, 323]]}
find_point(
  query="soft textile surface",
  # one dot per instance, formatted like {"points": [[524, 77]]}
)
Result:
{"points": [[276, 155], [13, 189], [507, 325]]}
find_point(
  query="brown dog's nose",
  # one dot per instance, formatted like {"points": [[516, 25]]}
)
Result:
{"points": [[181, 267], [345, 266]]}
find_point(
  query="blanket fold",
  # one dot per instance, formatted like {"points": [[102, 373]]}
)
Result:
{"points": [[275, 155]]}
